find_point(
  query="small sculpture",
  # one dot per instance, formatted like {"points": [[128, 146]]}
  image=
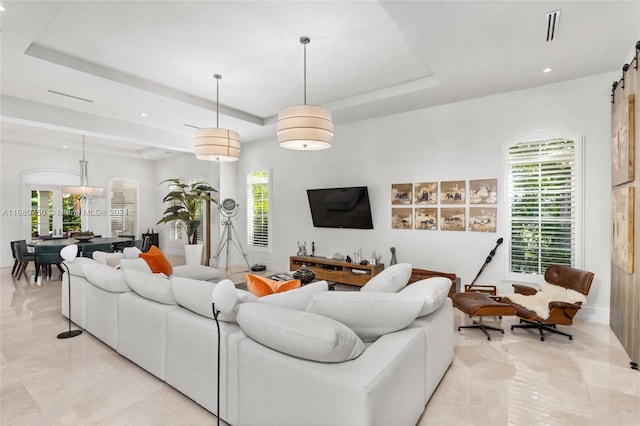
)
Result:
{"points": [[313, 248], [393, 256], [302, 249]]}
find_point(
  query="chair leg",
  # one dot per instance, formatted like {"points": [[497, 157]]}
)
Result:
{"points": [[15, 265], [479, 324], [551, 328]]}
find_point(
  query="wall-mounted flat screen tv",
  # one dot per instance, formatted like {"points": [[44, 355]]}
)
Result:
{"points": [[340, 207]]}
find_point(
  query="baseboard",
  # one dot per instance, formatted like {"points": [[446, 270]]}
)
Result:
{"points": [[596, 315]]}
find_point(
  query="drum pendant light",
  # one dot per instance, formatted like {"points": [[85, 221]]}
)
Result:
{"points": [[217, 144], [305, 127]]}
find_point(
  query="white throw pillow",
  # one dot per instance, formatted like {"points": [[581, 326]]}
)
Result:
{"points": [[433, 291], [298, 298], [195, 295], [150, 286], [105, 277], [369, 314], [131, 253], [197, 272], [390, 280], [109, 259], [137, 264], [298, 333]]}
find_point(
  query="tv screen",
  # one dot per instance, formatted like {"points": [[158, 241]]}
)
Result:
{"points": [[340, 207]]}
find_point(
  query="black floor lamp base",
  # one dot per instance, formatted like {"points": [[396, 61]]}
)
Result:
{"points": [[70, 333]]}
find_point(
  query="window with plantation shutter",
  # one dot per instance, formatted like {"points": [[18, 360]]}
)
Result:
{"points": [[258, 234], [123, 212], [543, 208]]}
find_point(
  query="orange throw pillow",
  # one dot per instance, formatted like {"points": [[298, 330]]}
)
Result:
{"points": [[261, 286], [157, 262]]}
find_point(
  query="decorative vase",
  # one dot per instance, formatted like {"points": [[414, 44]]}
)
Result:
{"points": [[393, 256], [304, 274], [193, 254]]}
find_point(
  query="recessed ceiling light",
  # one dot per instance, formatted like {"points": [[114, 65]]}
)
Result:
{"points": [[1, 8], [146, 157], [143, 114], [547, 69], [64, 147]]}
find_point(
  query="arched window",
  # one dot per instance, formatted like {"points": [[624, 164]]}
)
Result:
{"points": [[543, 215], [258, 228]]}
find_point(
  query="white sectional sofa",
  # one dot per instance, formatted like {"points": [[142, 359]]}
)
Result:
{"points": [[166, 327]]}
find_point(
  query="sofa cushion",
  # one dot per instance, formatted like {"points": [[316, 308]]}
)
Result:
{"points": [[157, 262], [390, 280], [105, 277], [131, 252], [433, 291], [195, 295], [76, 266], [298, 333], [137, 264], [263, 286], [197, 272], [109, 259], [298, 298], [152, 287], [369, 314]]}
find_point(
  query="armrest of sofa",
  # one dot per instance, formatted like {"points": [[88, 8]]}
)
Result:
{"points": [[421, 274], [524, 289]]}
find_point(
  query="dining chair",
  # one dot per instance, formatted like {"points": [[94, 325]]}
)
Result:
{"points": [[24, 257], [14, 246], [46, 256], [89, 248]]}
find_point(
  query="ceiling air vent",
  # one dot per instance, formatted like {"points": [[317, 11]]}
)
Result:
{"points": [[69, 96], [552, 19]]}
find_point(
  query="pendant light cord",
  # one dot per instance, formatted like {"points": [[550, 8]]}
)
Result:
{"points": [[305, 73], [217, 77]]}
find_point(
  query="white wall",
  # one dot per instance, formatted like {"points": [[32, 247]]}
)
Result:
{"points": [[17, 161], [459, 141]]}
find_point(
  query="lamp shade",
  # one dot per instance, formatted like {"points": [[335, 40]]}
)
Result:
{"points": [[223, 296], [69, 252], [83, 190], [217, 145], [305, 128]]}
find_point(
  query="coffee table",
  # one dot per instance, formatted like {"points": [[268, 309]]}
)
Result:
{"points": [[243, 285]]}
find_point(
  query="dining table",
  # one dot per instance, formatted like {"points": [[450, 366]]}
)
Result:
{"points": [[61, 242]]}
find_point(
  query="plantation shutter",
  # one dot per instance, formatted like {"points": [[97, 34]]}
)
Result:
{"points": [[542, 205], [123, 212], [258, 209]]}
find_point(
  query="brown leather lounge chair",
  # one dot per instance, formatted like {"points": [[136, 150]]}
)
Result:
{"points": [[560, 299]]}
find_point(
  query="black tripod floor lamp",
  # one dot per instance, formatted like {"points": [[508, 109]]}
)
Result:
{"points": [[69, 253], [223, 300]]}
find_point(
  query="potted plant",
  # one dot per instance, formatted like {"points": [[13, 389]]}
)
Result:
{"points": [[184, 199]]}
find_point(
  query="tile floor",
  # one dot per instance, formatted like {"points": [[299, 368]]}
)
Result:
{"points": [[515, 379]]}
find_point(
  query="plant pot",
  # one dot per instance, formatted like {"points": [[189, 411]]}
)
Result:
{"points": [[193, 254]]}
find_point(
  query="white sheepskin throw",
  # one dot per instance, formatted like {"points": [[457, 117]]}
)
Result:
{"points": [[539, 302]]}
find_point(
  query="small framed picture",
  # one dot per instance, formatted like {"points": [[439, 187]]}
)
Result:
{"points": [[452, 219], [426, 218], [482, 219], [426, 193], [452, 192], [483, 191], [401, 218], [401, 193]]}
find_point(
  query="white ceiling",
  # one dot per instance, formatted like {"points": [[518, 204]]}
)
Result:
{"points": [[366, 59]]}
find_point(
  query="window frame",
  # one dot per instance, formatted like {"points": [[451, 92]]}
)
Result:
{"points": [[251, 171], [111, 208], [578, 203]]}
